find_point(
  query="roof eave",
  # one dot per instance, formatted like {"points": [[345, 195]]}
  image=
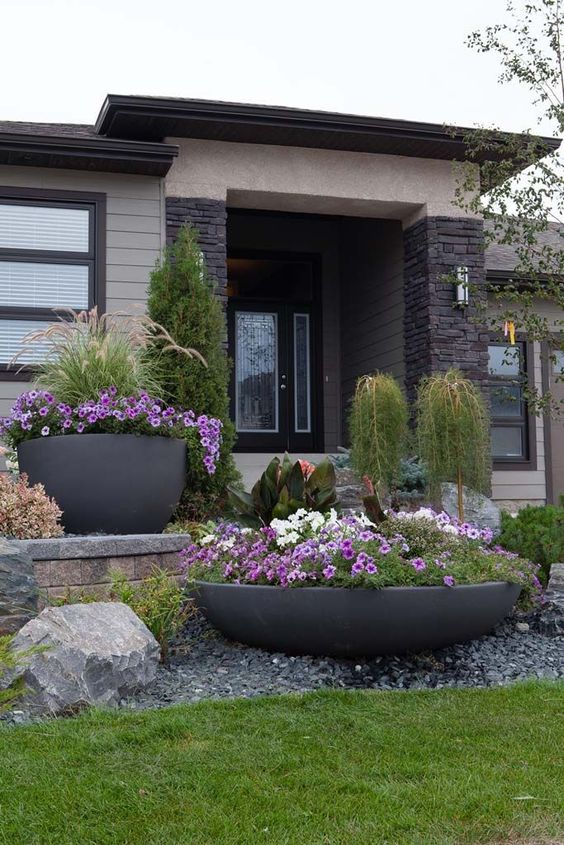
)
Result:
{"points": [[129, 116], [114, 155]]}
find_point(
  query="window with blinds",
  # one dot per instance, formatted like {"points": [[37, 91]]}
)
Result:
{"points": [[47, 256]]}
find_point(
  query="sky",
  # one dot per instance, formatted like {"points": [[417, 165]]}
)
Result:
{"points": [[390, 58]]}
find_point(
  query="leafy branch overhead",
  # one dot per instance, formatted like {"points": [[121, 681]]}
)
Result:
{"points": [[524, 214]]}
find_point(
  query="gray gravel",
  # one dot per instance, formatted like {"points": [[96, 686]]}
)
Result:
{"points": [[206, 666]]}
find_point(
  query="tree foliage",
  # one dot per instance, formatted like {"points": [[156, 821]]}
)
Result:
{"points": [[182, 299], [378, 429], [524, 213], [453, 433]]}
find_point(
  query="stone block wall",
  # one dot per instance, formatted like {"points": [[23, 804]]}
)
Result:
{"points": [[84, 564], [209, 217], [439, 335]]}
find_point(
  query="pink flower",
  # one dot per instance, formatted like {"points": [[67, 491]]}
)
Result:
{"points": [[307, 468]]}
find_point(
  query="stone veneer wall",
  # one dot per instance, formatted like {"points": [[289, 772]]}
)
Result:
{"points": [[84, 564], [209, 217], [437, 335]]}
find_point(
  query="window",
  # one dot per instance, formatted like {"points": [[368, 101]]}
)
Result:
{"points": [[48, 259], [509, 417]]}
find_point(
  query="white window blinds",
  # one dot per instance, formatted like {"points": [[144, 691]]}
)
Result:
{"points": [[12, 333], [34, 285], [44, 228]]}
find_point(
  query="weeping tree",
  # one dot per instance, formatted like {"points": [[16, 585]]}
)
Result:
{"points": [[453, 433], [378, 430]]}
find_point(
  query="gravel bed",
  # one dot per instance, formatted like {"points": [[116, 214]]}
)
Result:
{"points": [[204, 665]]}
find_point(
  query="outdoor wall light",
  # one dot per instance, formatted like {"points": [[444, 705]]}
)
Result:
{"points": [[462, 294]]}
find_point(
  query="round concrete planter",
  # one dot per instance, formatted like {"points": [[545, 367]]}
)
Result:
{"points": [[354, 622], [108, 483]]}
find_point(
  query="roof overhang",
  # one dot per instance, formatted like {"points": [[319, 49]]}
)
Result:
{"points": [[156, 118], [83, 153]]}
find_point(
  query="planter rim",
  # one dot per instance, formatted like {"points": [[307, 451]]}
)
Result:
{"points": [[86, 434], [327, 589]]}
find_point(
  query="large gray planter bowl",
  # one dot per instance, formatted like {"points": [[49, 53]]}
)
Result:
{"points": [[354, 622], [108, 483]]}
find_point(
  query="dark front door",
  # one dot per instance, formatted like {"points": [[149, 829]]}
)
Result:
{"points": [[271, 346]]}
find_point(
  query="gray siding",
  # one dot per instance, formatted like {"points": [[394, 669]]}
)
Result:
{"points": [[134, 225], [372, 301]]}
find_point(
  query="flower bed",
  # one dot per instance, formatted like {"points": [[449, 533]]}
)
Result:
{"points": [[312, 549], [323, 584], [38, 414], [114, 466]]}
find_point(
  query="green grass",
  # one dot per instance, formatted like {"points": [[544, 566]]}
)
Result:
{"points": [[330, 768]]}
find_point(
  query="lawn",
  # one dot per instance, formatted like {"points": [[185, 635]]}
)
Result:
{"points": [[329, 768]]}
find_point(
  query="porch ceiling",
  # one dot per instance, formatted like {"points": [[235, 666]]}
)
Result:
{"points": [[309, 204]]}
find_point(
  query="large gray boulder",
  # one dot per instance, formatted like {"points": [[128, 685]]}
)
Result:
{"points": [[477, 508], [18, 587], [87, 654]]}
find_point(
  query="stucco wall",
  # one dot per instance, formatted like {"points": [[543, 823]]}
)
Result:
{"points": [[320, 181], [135, 234]]}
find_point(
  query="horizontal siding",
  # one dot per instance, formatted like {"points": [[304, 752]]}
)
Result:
{"points": [[134, 236], [134, 223]]}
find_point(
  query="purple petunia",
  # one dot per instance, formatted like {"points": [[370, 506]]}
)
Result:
{"points": [[448, 581], [418, 564], [136, 414]]}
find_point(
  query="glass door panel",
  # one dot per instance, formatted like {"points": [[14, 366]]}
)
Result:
{"points": [[272, 385], [256, 372], [302, 375]]}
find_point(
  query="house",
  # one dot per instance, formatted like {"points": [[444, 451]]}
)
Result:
{"points": [[328, 236]]}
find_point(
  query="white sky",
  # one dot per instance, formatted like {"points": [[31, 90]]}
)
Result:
{"points": [[392, 58]]}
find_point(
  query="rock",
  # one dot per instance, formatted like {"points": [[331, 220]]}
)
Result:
{"points": [[555, 588], [522, 627], [477, 508], [18, 587], [94, 653]]}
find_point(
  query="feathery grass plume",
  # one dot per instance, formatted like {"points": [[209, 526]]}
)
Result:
{"points": [[86, 352], [453, 433], [378, 429]]}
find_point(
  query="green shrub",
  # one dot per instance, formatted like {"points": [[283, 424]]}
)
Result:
{"points": [[412, 483], [536, 533], [158, 601], [183, 301], [285, 488], [453, 433], [10, 691], [7, 661], [378, 429]]}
